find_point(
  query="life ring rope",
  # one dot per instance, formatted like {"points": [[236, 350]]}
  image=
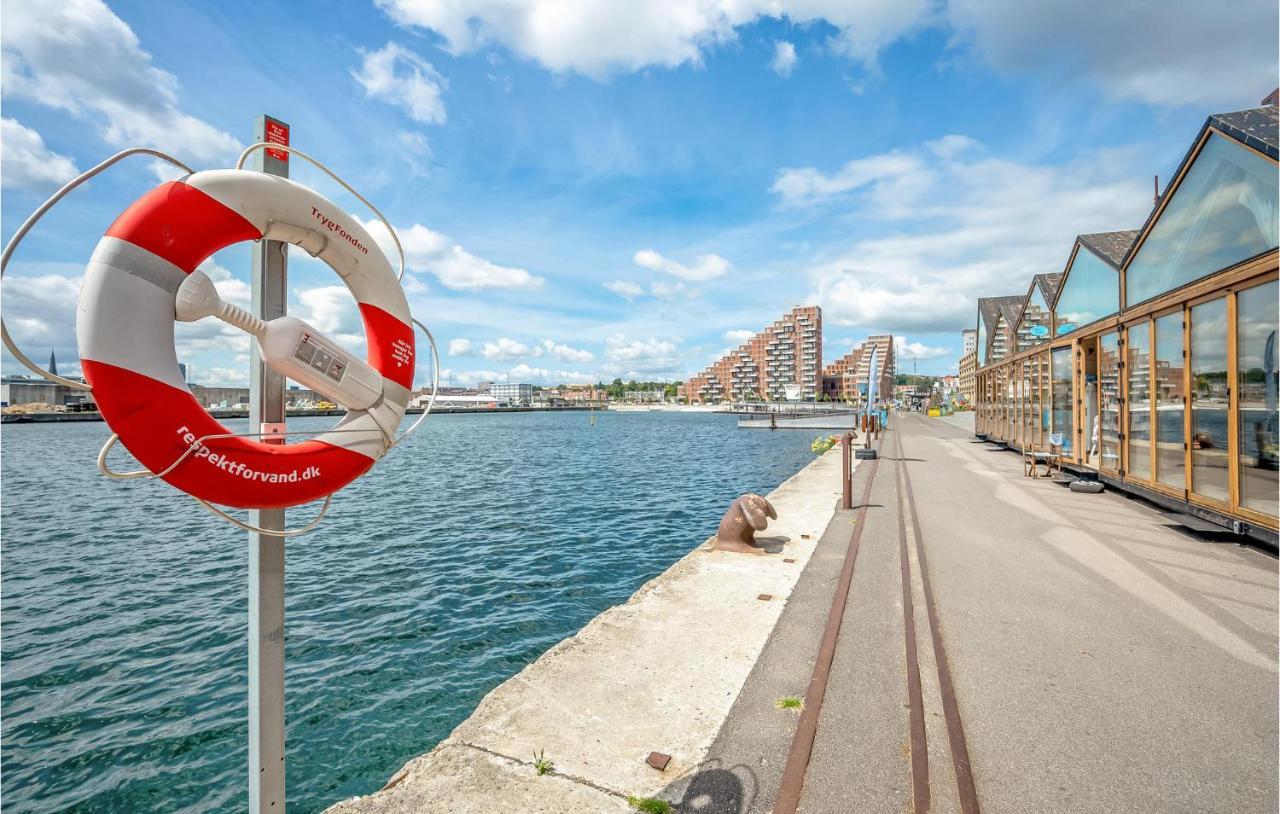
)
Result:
{"points": [[315, 243], [33, 219]]}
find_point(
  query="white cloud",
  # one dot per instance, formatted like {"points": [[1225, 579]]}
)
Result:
{"points": [[707, 267], [40, 311], [27, 162], [738, 336], [80, 57], [459, 347], [400, 77], [917, 350], [429, 251], [965, 226], [567, 354], [886, 174], [332, 309], [641, 358], [1179, 52], [597, 39], [224, 377], [507, 349], [784, 58], [624, 289]]}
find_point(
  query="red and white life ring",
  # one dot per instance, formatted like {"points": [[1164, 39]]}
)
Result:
{"points": [[125, 330]]}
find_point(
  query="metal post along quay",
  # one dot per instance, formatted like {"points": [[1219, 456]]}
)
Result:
{"points": [[266, 552]]}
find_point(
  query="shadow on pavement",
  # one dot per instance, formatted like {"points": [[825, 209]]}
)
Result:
{"points": [[714, 790]]}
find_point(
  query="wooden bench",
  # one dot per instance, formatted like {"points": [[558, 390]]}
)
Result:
{"points": [[1050, 459]]}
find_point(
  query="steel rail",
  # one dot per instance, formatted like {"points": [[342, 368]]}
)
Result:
{"points": [[793, 774], [966, 788]]}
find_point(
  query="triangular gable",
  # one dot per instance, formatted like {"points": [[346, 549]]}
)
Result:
{"points": [[1219, 209]]}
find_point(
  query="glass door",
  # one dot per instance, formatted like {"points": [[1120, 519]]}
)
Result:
{"points": [[1062, 369], [1087, 387], [1257, 388], [1210, 401], [1109, 401], [1138, 368], [1170, 404]]}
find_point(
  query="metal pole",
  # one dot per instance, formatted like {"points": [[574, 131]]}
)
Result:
{"points": [[847, 456], [266, 552]]}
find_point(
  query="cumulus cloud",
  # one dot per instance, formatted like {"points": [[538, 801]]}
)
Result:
{"points": [[739, 336], [916, 350], [1170, 53], [598, 39], [626, 290], [707, 267], [507, 349], [27, 162], [459, 347], [429, 251], [565, 353], [78, 56], [400, 77], [962, 226], [784, 58], [642, 358], [332, 309]]}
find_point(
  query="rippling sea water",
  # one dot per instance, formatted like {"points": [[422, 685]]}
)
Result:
{"points": [[460, 559]]}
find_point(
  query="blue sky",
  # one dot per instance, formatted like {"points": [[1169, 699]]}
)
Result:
{"points": [[625, 190]]}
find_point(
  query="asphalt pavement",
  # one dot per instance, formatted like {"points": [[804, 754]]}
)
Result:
{"points": [[1102, 657]]}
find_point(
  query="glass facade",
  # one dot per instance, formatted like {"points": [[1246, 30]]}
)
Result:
{"points": [[1090, 292], [1223, 211], [1062, 416], [1138, 366], [982, 341], [1257, 382], [1036, 323], [1210, 399], [1171, 465], [1179, 392], [1109, 398]]}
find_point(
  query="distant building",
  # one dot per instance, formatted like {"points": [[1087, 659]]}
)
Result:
{"points": [[580, 393], [508, 393], [787, 352], [847, 379], [970, 336], [15, 390], [968, 376]]}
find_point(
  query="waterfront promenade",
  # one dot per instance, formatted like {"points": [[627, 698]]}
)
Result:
{"points": [[1101, 657], [1097, 657]]}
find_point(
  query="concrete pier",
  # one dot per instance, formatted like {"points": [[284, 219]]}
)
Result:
{"points": [[656, 674]]}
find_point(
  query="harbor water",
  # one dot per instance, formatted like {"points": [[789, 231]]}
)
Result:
{"points": [[463, 556]]}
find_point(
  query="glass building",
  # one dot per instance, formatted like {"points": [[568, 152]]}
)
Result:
{"points": [[1151, 359]]}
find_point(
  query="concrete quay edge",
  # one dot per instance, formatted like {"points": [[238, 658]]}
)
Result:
{"points": [[658, 673]]}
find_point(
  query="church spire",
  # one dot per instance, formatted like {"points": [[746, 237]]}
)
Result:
{"points": [[53, 363]]}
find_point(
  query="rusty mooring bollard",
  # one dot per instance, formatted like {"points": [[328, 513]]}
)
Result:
{"points": [[746, 515]]}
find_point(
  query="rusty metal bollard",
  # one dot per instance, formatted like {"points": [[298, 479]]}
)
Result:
{"points": [[746, 515]]}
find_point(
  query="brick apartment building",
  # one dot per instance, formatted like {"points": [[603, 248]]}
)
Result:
{"points": [[788, 352], [846, 378]]}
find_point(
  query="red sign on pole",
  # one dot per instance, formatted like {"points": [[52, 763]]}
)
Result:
{"points": [[277, 134]]}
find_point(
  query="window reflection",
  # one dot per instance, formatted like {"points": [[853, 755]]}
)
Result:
{"points": [[1139, 368], [1090, 292], [1258, 379], [1210, 398], [1062, 424], [1171, 468], [1223, 212], [1034, 326], [1109, 396]]}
